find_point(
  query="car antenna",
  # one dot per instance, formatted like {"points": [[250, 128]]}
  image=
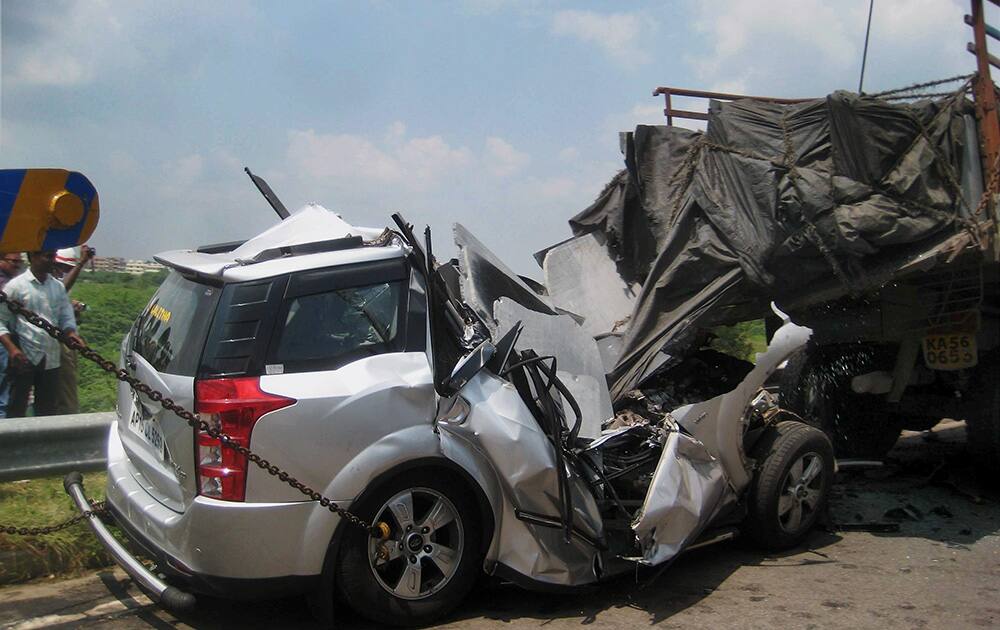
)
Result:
{"points": [[269, 195]]}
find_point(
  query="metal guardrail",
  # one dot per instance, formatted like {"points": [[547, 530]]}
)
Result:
{"points": [[49, 446]]}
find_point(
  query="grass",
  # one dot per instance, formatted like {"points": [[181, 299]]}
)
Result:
{"points": [[39, 503]]}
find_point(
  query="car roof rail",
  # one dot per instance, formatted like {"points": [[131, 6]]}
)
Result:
{"points": [[316, 247]]}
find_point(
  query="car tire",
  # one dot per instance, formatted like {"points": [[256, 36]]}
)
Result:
{"points": [[791, 485], [415, 575], [816, 384]]}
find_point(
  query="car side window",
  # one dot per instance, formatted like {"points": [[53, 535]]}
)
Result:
{"points": [[323, 331]]}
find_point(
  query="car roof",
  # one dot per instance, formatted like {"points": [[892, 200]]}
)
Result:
{"points": [[272, 252]]}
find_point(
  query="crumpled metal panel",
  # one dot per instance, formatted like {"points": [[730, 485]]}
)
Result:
{"points": [[501, 428], [718, 422], [578, 359], [582, 278], [700, 473], [485, 279], [688, 489]]}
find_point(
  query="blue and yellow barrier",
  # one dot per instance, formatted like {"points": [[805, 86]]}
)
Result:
{"points": [[45, 208]]}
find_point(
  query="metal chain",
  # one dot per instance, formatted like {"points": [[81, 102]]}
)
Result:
{"points": [[191, 418], [920, 86], [992, 187], [96, 509]]}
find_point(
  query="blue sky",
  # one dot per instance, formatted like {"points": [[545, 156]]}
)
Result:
{"points": [[502, 115]]}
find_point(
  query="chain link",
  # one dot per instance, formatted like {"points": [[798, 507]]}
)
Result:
{"points": [[921, 86], [96, 509], [191, 418]]}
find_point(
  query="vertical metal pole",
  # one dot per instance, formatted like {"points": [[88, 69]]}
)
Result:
{"points": [[986, 98], [668, 110], [864, 55]]}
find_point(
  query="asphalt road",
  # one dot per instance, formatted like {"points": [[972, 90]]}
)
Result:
{"points": [[941, 569]]}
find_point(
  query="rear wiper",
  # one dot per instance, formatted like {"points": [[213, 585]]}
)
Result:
{"points": [[269, 195]]}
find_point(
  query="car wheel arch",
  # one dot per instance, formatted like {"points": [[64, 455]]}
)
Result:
{"points": [[486, 516]]}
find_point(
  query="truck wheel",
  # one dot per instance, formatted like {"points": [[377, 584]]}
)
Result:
{"points": [[428, 559], [791, 486], [983, 428], [816, 384]]}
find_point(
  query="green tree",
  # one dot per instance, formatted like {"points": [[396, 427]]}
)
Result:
{"points": [[742, 340]]}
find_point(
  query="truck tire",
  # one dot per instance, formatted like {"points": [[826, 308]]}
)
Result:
{"points": [[983, 427], [816, 384], [429, 560], [791, 486]]}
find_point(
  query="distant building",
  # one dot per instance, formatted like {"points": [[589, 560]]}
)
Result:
{"points": [[120, 265], [109, 263], [142, 266]]}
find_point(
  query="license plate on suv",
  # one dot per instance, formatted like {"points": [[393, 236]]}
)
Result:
{"points": [[148, 429], [953, 351]]}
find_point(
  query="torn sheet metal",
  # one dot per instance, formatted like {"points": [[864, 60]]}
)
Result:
{"points": [[523, 463], [485, 279], [718, 422], [582, 278], [701, 473], [688, 489], [578, 360]]}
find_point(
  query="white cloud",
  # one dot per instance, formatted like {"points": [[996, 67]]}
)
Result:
{"points": [[558, 188], [420, 163], [395, 132], [617, 34], [569, 154], [431, 159], [186, 171], [502, 159], [811, 47], [67, 43], [340, 156], [71, 43]]}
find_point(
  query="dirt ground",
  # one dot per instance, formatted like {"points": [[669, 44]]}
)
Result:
{"points": [[913, 544]]}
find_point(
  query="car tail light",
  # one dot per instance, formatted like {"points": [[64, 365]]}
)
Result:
{"points": [[232, 406]]}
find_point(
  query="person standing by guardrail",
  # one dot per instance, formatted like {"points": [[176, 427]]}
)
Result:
{"points": [[33, 355], [69, 262], [10, 266]]}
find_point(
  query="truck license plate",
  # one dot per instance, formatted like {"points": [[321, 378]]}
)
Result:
{"points": [[148, 429], [953, 351]]}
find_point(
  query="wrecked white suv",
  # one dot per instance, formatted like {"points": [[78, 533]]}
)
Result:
{"points": [[460, 412]]}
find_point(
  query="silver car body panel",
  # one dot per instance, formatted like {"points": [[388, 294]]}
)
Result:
{"points": [[522, 465], [687, 491], [341, 417], [485, 279], [718, 422], [222, 538], [170, 479], [582, 278], [697, 476], [578, 362]]}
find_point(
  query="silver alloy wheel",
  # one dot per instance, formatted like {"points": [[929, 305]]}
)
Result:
{"points": [[801, 491], [424, 547]]}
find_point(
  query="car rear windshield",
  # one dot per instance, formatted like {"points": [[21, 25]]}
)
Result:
{"points": [[171, 332]]}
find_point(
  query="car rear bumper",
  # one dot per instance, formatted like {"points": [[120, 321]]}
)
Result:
{"points": [[219, 546]]}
